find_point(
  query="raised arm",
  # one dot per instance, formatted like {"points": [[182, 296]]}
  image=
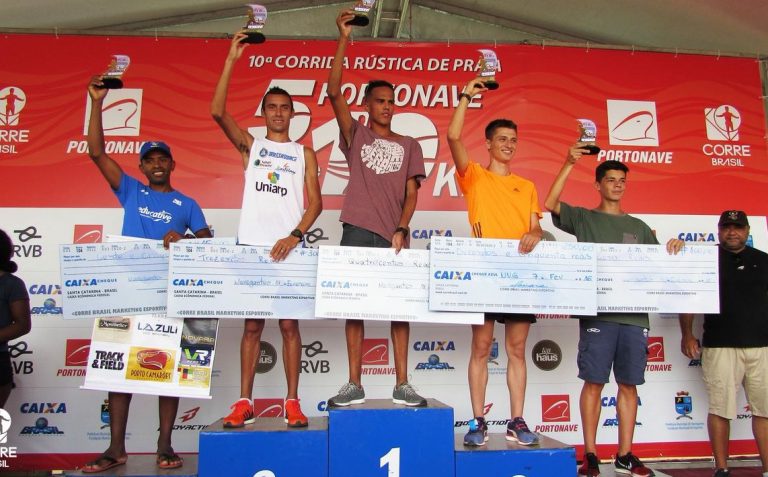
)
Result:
{"points": [[239, 137], [458, 151], [552, 202], [283, 247], [109, 168], [339, 104]]}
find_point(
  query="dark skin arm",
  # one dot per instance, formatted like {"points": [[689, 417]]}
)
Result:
{"points": [[689, 345], [283, 247], [339, 104], [174, 236], [107, 166], [21, 324]]}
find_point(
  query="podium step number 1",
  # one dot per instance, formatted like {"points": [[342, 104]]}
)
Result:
{"points": [[392, 460]]}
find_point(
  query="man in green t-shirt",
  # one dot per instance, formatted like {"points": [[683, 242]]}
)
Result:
{"points": [[617, 340]]}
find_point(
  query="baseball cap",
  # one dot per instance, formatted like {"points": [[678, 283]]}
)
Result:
{"points": [[154, 146], [736, 217]]}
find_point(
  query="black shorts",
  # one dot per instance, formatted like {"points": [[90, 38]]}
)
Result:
{"points": [[504, 317], [354, 236], [6, 370]]}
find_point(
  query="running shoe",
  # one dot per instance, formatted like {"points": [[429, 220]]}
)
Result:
{"points": [[293, 415], [630, 465], [478, 433], [350, 393], [517, 431], [242, 414], [405, 394]]}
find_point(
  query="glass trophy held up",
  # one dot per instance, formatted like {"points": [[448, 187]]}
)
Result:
{"points": [[488, 65], [361, 8], [256, 19], [112, 78], [588, 134]]}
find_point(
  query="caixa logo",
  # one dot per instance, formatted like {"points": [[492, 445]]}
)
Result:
{"points": [[611, 401], [43, 408], [333, 284], [88, 282], [434, 346], [194, 282], [696, 236], [45, 289], [428, 233], [452, 275]]}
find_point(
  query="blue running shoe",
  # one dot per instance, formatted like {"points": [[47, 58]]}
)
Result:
{"points": [[478, 433], [517, 431]]}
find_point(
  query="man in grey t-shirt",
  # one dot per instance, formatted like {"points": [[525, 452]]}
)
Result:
{"points": [[609, 340], [385, 170]]}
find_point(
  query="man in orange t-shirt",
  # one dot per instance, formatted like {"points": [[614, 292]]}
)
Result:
{"points": [[500, 205]]}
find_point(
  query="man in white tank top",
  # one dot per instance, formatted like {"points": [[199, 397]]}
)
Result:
{"points": [[277, 171]]}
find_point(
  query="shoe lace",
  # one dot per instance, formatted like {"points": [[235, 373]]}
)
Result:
{"points": [[292, 405], [520, 425], [241, 406], [408, 389], [633, 461]]}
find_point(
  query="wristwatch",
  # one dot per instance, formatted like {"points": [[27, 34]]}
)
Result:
{"points": [[298, 234], [403, 230]]}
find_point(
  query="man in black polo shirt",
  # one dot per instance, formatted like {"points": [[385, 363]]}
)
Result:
{"points": [[735, 343]]}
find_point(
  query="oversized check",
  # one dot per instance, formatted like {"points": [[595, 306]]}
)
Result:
{"points": [[113, 279], [647, 279], [377, 284], [127, 276], [490, 275], [234, 281]]}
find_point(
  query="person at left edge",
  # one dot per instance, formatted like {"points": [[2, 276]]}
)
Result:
{"points": [[277, 171], [157, 211], [14, 313]]}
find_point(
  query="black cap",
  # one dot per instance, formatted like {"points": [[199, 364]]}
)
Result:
{"points": [[736, 217]]}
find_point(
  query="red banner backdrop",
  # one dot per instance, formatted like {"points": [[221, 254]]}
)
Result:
{"points": [[691, 128]]}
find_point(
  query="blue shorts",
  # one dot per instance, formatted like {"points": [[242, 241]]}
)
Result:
{"points": [[603, 344], [354, 236]]}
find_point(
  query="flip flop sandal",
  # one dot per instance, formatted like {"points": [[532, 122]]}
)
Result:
{"points": [[109, 463], [169, 461]]}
